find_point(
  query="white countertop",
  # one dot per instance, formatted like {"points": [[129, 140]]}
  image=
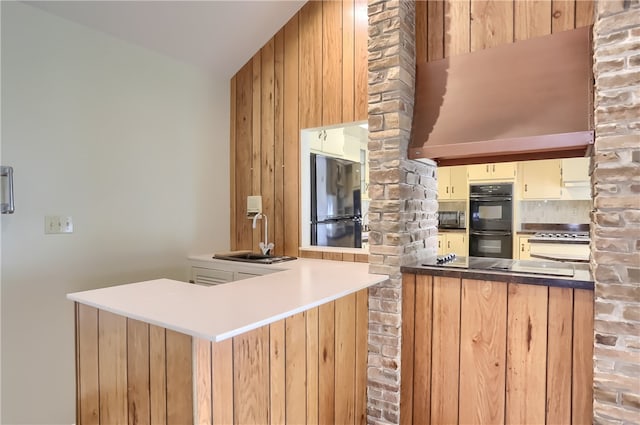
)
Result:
{"points": [[222, 311]]}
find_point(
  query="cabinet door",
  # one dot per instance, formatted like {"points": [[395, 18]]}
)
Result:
{"points": [[503, 171], [541, 179], [458, 186], [575, 171], [444, 180], [202, 276], [441, 243], [524, 253], [456, 243], [479, 171]]}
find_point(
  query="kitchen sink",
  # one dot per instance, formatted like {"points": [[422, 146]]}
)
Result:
{"points": [[251, 257]]}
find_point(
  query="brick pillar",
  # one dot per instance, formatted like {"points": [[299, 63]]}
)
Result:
{"points": [[616, 216], [402, 211]]}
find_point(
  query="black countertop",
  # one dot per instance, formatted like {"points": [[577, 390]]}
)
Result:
{"points": [[546, 273]]}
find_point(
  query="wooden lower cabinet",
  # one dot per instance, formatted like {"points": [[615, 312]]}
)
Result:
{"points": [[307, 368], [487, 352]]}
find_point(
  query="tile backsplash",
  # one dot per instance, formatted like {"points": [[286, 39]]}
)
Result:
{"points": [[554, 211]]}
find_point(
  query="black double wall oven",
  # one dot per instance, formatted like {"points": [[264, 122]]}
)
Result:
{"points": [[491, 220]]}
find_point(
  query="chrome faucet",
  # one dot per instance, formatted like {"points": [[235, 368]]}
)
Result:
{"points": [[265, 247]]}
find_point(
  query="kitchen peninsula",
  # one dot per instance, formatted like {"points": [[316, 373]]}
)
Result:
{"points": [[292, 343], [492, 340]]}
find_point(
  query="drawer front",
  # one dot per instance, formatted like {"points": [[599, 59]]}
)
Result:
{"points": [[202, 276]]}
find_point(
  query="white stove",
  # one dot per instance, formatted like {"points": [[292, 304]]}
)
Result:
{"points": [[561, 237], [560, 246]]}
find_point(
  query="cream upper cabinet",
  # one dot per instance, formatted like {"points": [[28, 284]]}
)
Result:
{"points": [[522, 249], [499, 171], [575, 172], [452, 183], [541, 179]]}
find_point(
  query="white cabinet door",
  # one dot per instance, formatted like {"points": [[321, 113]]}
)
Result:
{"points": [[541, 179], [457, 244], [505, 171], [452, 183], [202, 276]]}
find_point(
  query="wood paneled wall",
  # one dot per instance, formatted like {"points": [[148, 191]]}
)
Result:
{"points": [[307, 368], [479, 352], [312, 73], [451, 27]]}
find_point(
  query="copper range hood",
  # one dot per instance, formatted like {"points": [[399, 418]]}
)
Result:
{"points": [[527, 100]]}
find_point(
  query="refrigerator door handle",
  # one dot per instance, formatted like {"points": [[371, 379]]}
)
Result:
{"points": [[8, 207]]}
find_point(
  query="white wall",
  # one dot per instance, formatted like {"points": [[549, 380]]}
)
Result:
{"points": [[134, 146]]}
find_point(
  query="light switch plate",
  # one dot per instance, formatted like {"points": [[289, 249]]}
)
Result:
{"points": [[54, 224]]}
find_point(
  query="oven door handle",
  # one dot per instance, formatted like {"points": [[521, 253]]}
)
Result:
{"points": [[489, 198], [488, 233]]}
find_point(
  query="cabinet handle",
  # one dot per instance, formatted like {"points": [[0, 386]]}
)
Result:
{"points": [[439, 244], [447, 189], [487, 168], [526, 187], [448, 244], [522, 247], [452, 189], [494, 168]]}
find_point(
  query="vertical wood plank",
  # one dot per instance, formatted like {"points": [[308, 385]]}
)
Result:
{"points": [[421, 31], [311, 254], [256, 141], [435, 25], [267, 138], [157, 375], [445, 360], [112, 364], [348, 56], [87, 368], [345, 355], [559, 357], [296, 362], [346, 256], [362, 258], [492, 23], [326, 363], [563, 15], [203, 385], [251, 377], [311, 65], [277, 373], [278, 173], [422, 356], [582, 381], [532, 19], [222, 368], [313, 353], [456, 27], [407, 347], [138, 372], [331, 62], [526, 354], [482, 352], [362, 328], [232, 163], [335, 256], [291, 196], [179, 378], [584, 13], [244, 120], [361, 103]]}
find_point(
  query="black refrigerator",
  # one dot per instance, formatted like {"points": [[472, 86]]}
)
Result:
{"points": [[336, 218]]}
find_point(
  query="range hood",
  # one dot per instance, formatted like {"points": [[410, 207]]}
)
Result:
{"points": [[531, 99]]}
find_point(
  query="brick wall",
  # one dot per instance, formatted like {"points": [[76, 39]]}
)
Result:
{"points": [[402, 211], [616, 215]]}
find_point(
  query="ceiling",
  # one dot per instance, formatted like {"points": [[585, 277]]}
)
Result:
{"points": [[219, 36]]}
